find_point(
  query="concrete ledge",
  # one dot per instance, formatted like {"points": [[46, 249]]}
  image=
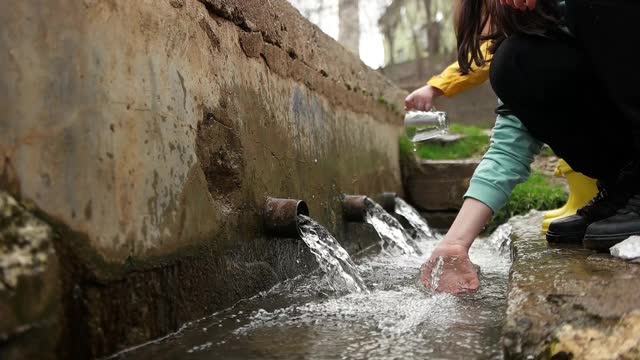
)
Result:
{"points": [[440, 219], [436, 185], [569, 303]]}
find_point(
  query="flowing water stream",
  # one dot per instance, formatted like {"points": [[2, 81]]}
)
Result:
{"points": [[394, 239], [376, 309], [334, 261], [417, 222]]}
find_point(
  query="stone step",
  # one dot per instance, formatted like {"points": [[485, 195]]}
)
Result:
{"points": [[446, 139], [439, 185], [566, 302]]}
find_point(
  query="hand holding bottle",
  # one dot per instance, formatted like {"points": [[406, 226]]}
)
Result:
{"points": [[422, 99]]}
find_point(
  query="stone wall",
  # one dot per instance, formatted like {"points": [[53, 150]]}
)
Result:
{"points": [[148, 134]]}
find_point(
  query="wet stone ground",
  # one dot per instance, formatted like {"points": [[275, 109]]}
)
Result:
{"points": [[568, 302], [396, 319]]}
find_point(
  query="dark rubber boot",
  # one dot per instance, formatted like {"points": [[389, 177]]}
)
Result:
{"points": [[567, 230], [572, 229], [606, 233]]}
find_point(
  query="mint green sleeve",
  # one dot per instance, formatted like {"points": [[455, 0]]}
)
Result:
{"points": [[506, 164]]}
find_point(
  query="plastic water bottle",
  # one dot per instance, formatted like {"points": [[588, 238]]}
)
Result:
{"points": [[425, 125]]}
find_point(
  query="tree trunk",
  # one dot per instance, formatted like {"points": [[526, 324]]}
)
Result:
{"points": [[433, 32], [418, 53], [349, 18], [388, 33]]}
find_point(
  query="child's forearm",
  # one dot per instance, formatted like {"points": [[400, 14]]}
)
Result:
{"points": [[471, 219]]}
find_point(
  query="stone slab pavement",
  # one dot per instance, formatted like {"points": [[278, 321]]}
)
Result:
{"points": [[568, 302]]}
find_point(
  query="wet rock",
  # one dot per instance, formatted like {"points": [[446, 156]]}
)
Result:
{"points": [[628, 249], [618, 341], [25, 243], [568, 302], [29, 293]]}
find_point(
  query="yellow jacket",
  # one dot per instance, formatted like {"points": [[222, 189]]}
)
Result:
{"points": [[451, 82]]}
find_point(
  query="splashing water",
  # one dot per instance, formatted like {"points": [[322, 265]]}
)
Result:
{"points": [[436, 274], [332, 258], [417, 222], [500, 240], [392, 234], [395, 319]]}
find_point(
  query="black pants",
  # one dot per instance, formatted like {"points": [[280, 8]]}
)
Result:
{"points": [[579, 95]]}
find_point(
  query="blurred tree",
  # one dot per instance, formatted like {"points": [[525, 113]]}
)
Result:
{"points": [[349, 20], [310, 8], [433, 27], [417, 29]]}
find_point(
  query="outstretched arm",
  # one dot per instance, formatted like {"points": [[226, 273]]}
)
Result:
{"points": [[455, 272], [506, 164]]}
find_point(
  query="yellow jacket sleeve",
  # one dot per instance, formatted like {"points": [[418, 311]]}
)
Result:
{"points": [[452, 83]]}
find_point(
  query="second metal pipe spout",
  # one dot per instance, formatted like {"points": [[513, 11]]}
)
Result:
{"points": [[388, 201], [354, 208]]}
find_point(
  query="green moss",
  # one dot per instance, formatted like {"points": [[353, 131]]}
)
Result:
{"points": [[406, 147], [536, 193], [475, 143]]}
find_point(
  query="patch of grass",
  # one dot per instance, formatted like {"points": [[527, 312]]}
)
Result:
{"points": [[406, 146], [474, 143], [536, 193]]}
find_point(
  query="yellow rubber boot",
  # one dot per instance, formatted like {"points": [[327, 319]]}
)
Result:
{"points": [[581, 190], [561, 168]]}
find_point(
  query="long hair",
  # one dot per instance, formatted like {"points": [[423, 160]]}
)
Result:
{"points": [[486, 20]]}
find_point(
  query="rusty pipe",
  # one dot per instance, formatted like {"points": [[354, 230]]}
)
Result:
{"points": [[388, 201], [354, 207], [281, 216]]}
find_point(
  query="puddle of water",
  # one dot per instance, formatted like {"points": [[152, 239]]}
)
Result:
{"points": [[394, 239], [397, 318]]}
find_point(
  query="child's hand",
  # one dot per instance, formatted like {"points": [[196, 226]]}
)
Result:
{"points": [[422, 99], [456, 273], [520, 4]]}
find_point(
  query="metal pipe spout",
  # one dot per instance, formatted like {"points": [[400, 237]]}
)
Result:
{"points": [[388, 201], [354, 208], [281, 216]]}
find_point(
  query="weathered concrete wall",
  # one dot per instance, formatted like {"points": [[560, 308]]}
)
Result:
{"points": [[149, 133]]}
